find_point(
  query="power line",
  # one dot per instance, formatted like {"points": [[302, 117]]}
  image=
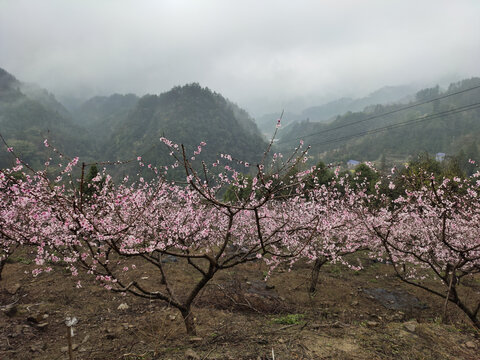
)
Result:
{"points": [[386, 113], [401, 124], [405, 123]]}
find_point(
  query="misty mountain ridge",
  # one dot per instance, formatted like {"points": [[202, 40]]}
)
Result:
{"points": [[100, 114], [383, 96], [186, 115], [44, 97], [328, 111], [11, 89], [28, 115], [120, 127], [7, 81], [9, 86], [348, 137]]}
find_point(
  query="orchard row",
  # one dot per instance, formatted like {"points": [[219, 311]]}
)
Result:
{"points": [[424, 225]]}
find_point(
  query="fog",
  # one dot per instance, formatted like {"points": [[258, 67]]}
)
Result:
{"points": [[263, 55]]}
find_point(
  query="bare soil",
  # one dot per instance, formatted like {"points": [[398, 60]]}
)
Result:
{"points": [[354, 315]]}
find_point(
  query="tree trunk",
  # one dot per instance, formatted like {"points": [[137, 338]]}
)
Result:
{"points": [[315, 272], [188, 318], [444, 315], [2, 264]]}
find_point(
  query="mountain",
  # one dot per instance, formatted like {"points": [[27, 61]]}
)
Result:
{"points": [[186, 115], [122, 127], [327, 112], [45, 98], [9, 87], [450, 134], [267, 123], [28, 115], [101, 114], [385, 95]]}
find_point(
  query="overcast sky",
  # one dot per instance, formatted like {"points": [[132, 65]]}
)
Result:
{"points": [[261, 54]]}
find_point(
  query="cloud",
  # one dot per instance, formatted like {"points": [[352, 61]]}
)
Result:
{"points": [[255, 52]]}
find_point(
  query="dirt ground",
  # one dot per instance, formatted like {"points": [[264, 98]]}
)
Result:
{"points": [[353, 315]]}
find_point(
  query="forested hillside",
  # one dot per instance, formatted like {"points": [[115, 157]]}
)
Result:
{"points": [[101, 114], [410, 131], [326, 112], [188, 115], [27, 118], [122, 127]]}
